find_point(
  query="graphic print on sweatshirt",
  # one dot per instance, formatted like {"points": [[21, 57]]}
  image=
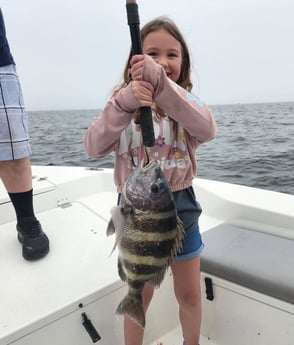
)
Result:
{"points": [[170, 148]]}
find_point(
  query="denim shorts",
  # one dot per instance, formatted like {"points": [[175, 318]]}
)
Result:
{"points": [[14, 137], [192, 245]]}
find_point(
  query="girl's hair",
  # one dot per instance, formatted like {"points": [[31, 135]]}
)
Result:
{"points": [[169, 26]]}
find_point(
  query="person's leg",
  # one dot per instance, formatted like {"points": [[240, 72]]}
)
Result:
{"points": [[186, 276], [133, 333], [15, 168], [16, 176]]}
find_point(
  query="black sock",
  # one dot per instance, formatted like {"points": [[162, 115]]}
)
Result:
{"points": [[23, 204]]}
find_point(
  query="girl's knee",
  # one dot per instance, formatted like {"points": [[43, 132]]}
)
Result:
{"points": [[189, 298]]}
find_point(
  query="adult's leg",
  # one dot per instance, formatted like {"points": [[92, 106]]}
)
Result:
{"points": [[16, 175], [17, 178], [15, 168]]}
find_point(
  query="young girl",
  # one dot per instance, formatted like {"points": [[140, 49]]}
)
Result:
{"points": [[161, 79]]}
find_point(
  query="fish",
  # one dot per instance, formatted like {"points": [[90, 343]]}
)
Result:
{"points": [[148, 235]]}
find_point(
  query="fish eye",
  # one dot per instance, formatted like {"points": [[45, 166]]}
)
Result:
{"points": [[154, 188]]}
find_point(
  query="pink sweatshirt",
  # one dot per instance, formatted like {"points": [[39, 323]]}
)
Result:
{"points": [[189, 124]]}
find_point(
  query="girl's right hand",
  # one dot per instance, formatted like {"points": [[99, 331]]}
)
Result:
{"points": [[143, 92], [136, 67]]}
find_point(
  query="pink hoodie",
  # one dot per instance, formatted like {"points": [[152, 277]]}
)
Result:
{"points": [[189, 124]]}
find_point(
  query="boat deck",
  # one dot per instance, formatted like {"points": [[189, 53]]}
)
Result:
{"points": [[174, 337], [42, 302]]}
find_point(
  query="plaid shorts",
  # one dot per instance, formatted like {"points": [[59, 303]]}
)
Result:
{"points": [[14, 137]]}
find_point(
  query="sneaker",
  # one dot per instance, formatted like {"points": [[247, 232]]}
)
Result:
{"points": [[35, 243]]}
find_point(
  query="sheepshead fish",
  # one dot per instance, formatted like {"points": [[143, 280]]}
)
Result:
{"points": [[148, 235]]}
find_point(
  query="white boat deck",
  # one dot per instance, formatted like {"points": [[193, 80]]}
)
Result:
{"points": [[40, 301], [77, 267], [174, 337]]}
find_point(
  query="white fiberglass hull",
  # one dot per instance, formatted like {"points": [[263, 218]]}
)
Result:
{"points": [[43, 302]]}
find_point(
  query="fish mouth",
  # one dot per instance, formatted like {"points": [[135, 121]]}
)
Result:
{"points": [[155, 168], [151, 165]]}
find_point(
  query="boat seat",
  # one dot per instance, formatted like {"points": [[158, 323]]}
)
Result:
{"points": [[256, 260]]}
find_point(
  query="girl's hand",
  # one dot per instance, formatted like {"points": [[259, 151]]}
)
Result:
{"points": [[143, 92], [143, 67], [137, 65]]}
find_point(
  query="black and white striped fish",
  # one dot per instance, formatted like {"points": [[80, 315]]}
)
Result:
{"points": [[148, 235]]}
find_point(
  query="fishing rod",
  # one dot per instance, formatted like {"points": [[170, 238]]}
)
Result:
{"points": [[146, 113]]}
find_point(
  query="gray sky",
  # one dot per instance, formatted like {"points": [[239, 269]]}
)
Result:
{"points": [[71, 53]]}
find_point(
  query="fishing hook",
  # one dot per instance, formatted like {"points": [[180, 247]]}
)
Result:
{"points": [[146, 159]]}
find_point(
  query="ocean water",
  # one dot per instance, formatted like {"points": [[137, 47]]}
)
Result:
{"points": [[254, 145]]}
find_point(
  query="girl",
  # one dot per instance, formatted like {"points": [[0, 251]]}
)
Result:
{"points": [[161, 79]]}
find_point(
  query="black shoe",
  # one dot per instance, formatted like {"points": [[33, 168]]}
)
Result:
{"points": [[35, 243]]}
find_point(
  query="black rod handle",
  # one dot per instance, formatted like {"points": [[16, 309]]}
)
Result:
{"points": [[146, 112]]}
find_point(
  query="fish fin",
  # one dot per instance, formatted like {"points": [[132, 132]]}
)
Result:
{"points": [[117, 239], [121, 272], [110, 228], [114, 221], [132, 307], [116, 225], [112, 250], [118, 218], [178, 243]]}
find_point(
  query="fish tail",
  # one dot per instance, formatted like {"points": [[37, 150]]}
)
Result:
{"points": [[131, 305]]}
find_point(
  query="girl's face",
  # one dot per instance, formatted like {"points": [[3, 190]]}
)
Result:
{"points": [[166, 51]]}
